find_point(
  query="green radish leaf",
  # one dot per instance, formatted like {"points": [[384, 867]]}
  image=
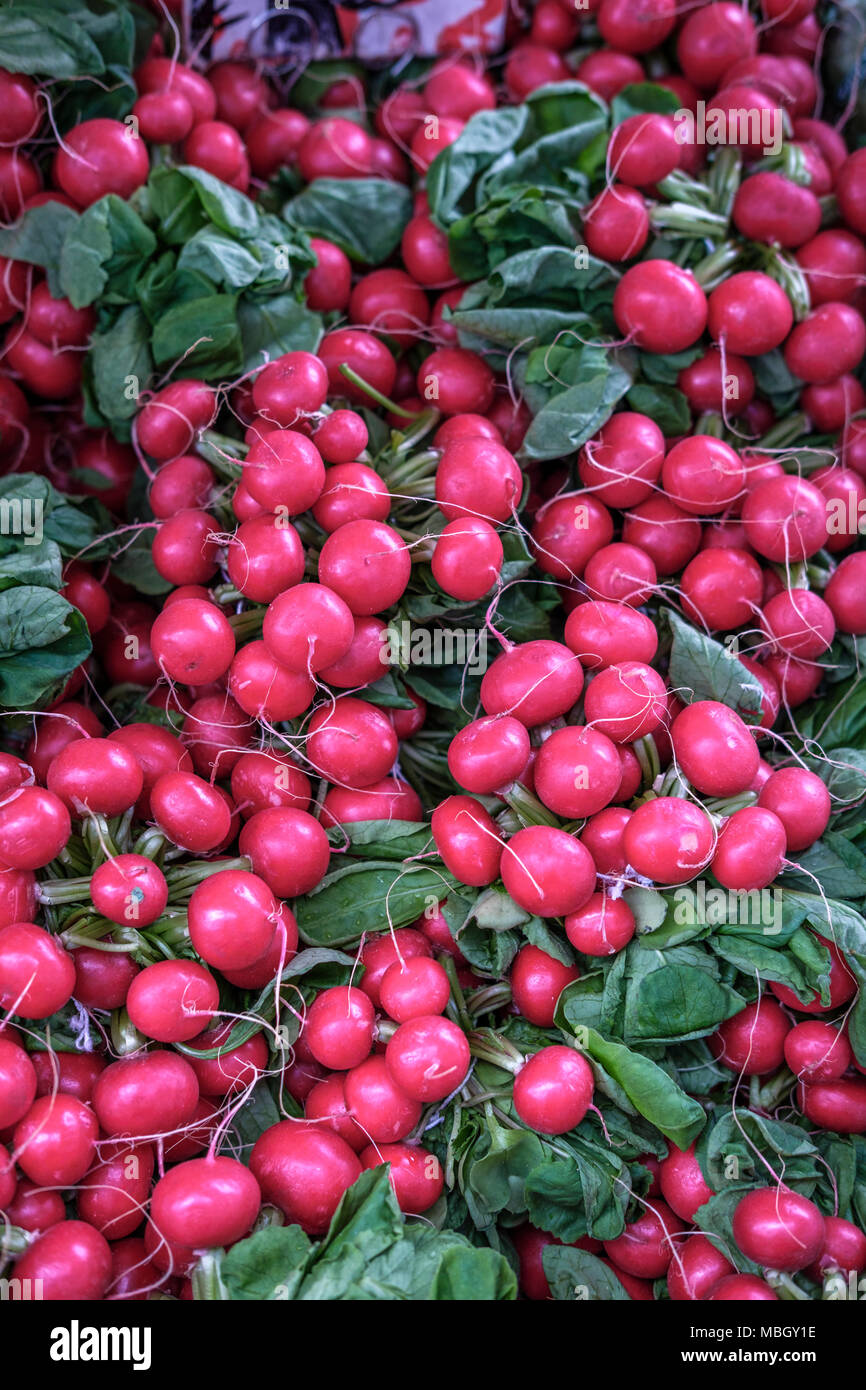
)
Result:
{"points": [[703, 669], [365, 217]]}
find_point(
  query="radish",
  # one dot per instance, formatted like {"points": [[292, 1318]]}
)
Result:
{"points": [[547, 871], [646, 1246], [379, 1104], [778, 1228], [303, 1170], [488, 753], [668, 840], [71, 1259], [697, 1270], [660, 307], [205, 1202], [287, 848], [752, 1041], [415, 1174], [553, 1090], [37, 976], [537, 980], [428, 1057], [577, 771], [415, 988], [682, 1182], [604, 925], [340, 1028], [234, 1069], [328, 285], [55, 1141], [113, 1194]]}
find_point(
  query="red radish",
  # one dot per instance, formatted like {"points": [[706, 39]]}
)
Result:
{"points": [[55, 1141], [171, 1000], [836, 1105], [102, 978], [367, 563], [567, 531], [206, 1202], [696, 1270], [283, 471], [171, 419], [365, 354], [547, 871], [71, 1260], [577, 772], [378, 1104], [488, 754], [660, 307], [605, 634], [304, 1170], [95, 776], [334, 148], [164, 118], [340, 1028], [328, 285], [414, 988], [845, 594], [713, 383], [553, 1090], [535, 682], [467, 559], [352, 492], [749, 313], [752, 1041], [604, 925], [287, 848], [416, 1174], [625, 701], [616, 224], [778, 1228], [636, 27], [190, 813], [646, 1246], [428, 1057], [308, 628], [750, 850], [351, 742], [799, 623], [147, 1095], [668, 840], [477, 477], [643, 150], [381, 952], [682, 1182], [802, 803], [817, 1052], [714, 748], [34, 828], [606, 72], [17, 1083], [113, 1194], [37, 976], [290, 387], [34, 1208], [703, 475], [623, 462], [537, 980], [341, 437], [832, 340], [531, 66]]}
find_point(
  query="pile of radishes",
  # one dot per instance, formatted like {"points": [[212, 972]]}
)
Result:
{"points": [[180, 1065]]}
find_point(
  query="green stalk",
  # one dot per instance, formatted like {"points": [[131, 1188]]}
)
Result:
{"points": [[351, 375], [207, 1281]]}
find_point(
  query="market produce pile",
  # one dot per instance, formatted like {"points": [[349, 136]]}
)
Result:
{"points": [[432, 599]]}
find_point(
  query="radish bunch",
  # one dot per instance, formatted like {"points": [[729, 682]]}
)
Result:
{"points": [[430, 630]]}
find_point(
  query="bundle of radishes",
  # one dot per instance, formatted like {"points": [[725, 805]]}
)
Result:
{"points": [[432, 858]]}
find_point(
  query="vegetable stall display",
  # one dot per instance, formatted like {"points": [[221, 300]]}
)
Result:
{"points": [[432, 596]]}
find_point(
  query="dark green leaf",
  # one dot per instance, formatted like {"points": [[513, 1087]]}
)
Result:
{"points": [[575, 1274], [703, 669], [365, 217], [367, 896], [38, 239]]}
